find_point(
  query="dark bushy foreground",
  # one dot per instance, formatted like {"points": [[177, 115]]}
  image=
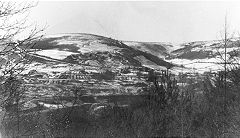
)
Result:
{"points": [[201, 109]]}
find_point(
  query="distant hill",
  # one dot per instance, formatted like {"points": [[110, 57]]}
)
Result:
{"points": [[63, 51], [80, 49], [205, 55]]}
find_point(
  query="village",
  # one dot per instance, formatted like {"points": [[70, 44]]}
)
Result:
{"points": [[121, 80]]}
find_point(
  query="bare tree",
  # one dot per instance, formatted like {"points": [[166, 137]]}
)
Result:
{"points": [[17, 37], [221, 93]]}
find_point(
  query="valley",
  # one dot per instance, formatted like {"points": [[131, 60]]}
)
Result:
{"points": [[96, 75]]}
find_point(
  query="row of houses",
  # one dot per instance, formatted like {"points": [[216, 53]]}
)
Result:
{"points": [[81, 76]]}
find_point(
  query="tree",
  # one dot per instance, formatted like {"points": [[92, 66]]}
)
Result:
{"points": [[220, 106], [17, 37], [157, 108]]}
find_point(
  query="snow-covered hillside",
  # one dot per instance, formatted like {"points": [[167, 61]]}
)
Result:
{"points": [[59, 52], [85, 49], [204, 56], [159, 49]]}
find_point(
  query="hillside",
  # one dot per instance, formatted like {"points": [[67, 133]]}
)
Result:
{"points": [[64, 51], [84, 49], [201, 56]]}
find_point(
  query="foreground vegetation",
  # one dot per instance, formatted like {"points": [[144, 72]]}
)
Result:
{"points": [[200, 109]]}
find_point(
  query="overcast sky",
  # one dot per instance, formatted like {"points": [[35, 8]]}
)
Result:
{"points": [[139, 21]]}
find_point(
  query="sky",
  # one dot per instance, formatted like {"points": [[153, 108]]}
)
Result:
{"points": [[157, 21]]}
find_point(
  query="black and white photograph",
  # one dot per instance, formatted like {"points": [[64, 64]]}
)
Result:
{"points": [[119, 69]]}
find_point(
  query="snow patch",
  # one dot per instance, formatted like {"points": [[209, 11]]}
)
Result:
{"points": [[198, 65], [55, 54]]}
